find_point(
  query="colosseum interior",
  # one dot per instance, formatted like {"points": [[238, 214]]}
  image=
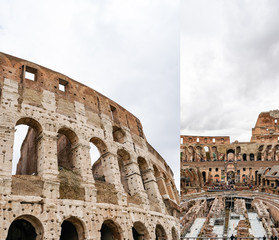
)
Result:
{"points": [[57, 191], [231, 188]]}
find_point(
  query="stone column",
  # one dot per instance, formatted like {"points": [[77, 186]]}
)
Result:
{"points": [[152, 189], [112, 175], [135, 183], [82, 163], [8, 106]]}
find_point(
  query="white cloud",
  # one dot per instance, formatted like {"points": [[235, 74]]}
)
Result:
{"points": [[229, 62], [127, 50]]}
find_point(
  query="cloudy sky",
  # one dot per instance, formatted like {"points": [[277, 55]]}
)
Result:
{"points": [[127, 50], [229, 65]]}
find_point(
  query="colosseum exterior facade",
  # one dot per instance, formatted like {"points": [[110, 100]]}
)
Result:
{"points": [[128, 193]]}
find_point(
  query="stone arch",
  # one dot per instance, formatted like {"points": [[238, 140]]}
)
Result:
{"points": [[259, 156], [252, 157], [160, 181], [276, 152], [123, 158], [215, 153], [110, 230], [169, 186], [191, 154], [26, 227], [217, 178], [230, 155], [174, 234], [207, 153], [160, 232], [97, 164], [66, 146], [143, 167], [156, 171], [204, 176], [238, 150], [200, 157], [118, 134], [72, 228], [140, 232], [244, 177], [30, 150]]}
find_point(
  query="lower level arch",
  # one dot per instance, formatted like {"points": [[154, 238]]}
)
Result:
{"points": [[25, 227]]}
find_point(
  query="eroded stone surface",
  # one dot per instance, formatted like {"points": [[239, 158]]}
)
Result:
{"points": [[63, 189]]}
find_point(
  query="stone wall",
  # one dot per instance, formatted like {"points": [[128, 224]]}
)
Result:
{"points": [[64, 116]]}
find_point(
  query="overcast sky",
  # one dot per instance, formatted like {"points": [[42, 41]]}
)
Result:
{"points": [[229, 65], [126, 50]]}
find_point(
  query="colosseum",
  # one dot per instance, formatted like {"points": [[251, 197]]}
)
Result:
{"points": [[231, 188], [57, 191]]}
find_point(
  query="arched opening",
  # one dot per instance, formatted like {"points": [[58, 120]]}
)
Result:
{"points": [[25, 227], [256, 178], [160, 233], [207, 153], [204, 177], [191, 154], [140, 232], [159, 180], [230, 155], [66, 148], [26, 145], [72, 229], [142, 167], [169, 186], [238, 150], [71, 186], [244, 178], [123, 158], [252, 158], [259, 157], [174, 234], [110, 231], [97, 150], [231, 177], [216, 178], [214, 153], [244, 157], [118, 134], [21, 229]]}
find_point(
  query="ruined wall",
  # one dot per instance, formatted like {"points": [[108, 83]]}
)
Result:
{"points": [[266, 129], [218, 160], [66, 116]]}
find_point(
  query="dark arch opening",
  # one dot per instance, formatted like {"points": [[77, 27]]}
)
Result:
{"points": [[174, 234], [136, 235], [68, 231], [252, 158], [110, 231], [204, 177], [140, 232], [160, 233], [259, 157], [21, 229], [72, 229], [244, 157]]}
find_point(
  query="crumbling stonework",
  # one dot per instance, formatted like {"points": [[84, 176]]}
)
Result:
{"points": [[128, 193], [218, 160]]}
